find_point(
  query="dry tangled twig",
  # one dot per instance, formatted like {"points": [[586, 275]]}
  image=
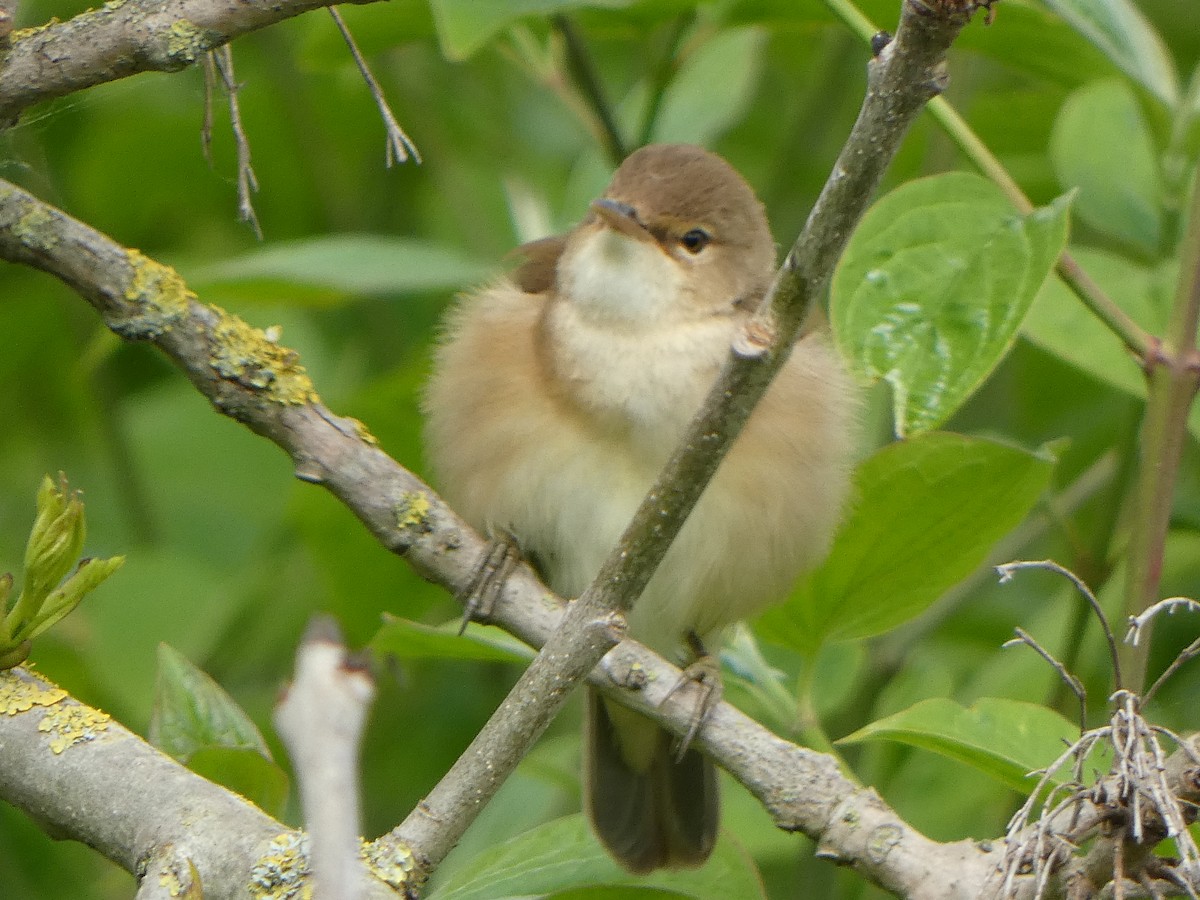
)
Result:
{"points": [[1122, 815]]}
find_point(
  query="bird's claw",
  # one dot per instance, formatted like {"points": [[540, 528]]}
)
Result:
{"points": [[479, 596], [705, 674]]}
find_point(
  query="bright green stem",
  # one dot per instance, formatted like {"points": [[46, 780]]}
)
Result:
{"points": [[1174, 376], [1137, 339]]}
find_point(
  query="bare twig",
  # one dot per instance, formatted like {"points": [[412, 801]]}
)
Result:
{"points": [[117, 40], [1074, 684], [247, 183], [1006, 573], [1145, 797], [321, 719], [399, 148], [209, 67]]}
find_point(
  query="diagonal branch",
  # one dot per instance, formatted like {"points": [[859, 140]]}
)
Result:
{"points": [[122, 39]]}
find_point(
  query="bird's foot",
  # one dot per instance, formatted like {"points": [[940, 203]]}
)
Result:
{"points": [[705, 674], [479, 596]]}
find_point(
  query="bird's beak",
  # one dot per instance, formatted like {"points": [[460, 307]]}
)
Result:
{"points": [[621, 217]]}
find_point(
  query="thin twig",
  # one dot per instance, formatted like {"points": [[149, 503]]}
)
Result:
{"points": [[583, 70], [1006, 573], [116, 40], [1073, 683], [399, 147], [210, 90], [247, 183]]}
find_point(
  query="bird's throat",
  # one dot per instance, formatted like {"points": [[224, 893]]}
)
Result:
{"points": [[619, 280]]}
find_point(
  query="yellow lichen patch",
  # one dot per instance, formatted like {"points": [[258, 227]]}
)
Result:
{"points": [[185, 42], [70, 724], [36, 228], [364, 434], [391, 862], [160, 295], [282, 873], [22, 33], [179, 882], [244, 354], [18, 695], [413, 510]]}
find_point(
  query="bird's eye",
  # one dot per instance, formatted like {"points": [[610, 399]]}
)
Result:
{"points": [[695, 240]]}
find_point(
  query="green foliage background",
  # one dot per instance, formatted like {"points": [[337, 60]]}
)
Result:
{"points": [[228, 556]]}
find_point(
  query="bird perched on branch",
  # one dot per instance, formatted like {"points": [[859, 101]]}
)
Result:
{"points": [[560, 392]]}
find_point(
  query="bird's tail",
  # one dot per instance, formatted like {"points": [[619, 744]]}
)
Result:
{"points": [[649, 810]]}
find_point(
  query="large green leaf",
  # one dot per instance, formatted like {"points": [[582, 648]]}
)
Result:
{"points": [[1007, 739], [713, 88], [466, 25], [933, 287], [1120, 31], [198, 723], [1102, 146], [563, 856], [193, 711], [925, 514], [343, 264]]}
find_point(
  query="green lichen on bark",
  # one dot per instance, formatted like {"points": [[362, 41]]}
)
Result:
{"points": [[159, 296], [36, 229], [186, 42], [243, 354]]}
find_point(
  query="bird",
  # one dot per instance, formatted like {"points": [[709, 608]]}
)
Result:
{"points": [[559, 391]]}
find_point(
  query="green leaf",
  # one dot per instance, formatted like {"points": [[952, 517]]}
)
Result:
{"points": [[358, 264], [1102, 146], [1007, 739], [409, 640], [61, 601], [926, 513], [246, 772], [563, 856], [191, 711], [1120, 31], [713, 88], [466, 25], [933, 287], [196, 722]]}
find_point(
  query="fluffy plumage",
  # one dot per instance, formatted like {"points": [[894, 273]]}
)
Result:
{"points": [[557, 397]]}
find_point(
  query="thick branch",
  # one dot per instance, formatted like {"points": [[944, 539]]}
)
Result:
{"points": [[81, 775], [122, 39]]}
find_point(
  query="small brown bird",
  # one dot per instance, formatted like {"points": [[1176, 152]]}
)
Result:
{"points": [[557, 397]]}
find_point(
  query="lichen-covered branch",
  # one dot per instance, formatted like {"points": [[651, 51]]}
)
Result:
{"points": [[82, 775], [122, 38]]}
